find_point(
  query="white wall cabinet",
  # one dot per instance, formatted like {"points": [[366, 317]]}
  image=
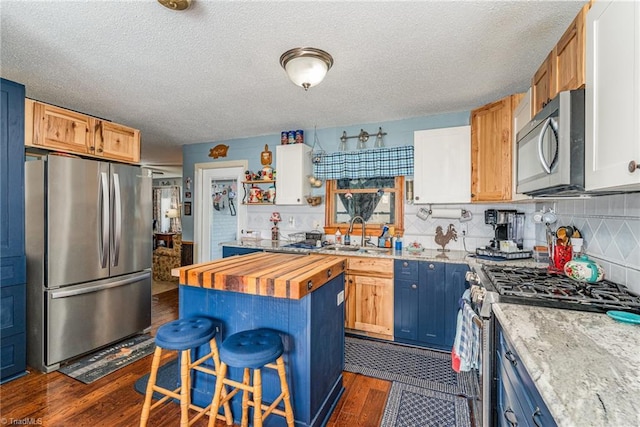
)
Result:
{"points": [[293, 167], [612, 96], [521, 116], [442, 165]]}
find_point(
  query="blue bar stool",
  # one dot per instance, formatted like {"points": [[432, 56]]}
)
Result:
{"points": [[253, 349], [183, 335]]}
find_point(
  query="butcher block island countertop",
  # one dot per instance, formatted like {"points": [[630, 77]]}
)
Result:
{"points": [[267, 274]]}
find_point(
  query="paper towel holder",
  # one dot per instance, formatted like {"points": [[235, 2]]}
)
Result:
{"points": [[462, 215]]}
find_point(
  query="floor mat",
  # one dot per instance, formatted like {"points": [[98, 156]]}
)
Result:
{"points": [[108, 360], [168, 377], [416, 366], [413, 406]]}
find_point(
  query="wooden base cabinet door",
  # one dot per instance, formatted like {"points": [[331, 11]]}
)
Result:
{"points": [[373, 304]]}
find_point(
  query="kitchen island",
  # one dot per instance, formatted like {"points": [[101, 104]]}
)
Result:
{"points": [[584, 365], [299, 296]]}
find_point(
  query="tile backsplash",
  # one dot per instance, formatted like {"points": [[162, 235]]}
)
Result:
{"points": [[471, 234], [610, 226]]}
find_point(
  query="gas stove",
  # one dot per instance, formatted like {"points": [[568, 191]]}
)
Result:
{"points": [[537, 286]]}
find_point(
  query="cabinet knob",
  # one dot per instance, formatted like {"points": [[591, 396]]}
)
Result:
{"points": [[405, 264], [431, 266], [633, 166], [417, 198], [414, 286]]}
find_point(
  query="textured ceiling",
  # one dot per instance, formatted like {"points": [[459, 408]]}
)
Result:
{"points": [[212, 72]]}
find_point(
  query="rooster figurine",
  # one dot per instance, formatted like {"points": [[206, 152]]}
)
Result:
{"points": [[444, 239]]}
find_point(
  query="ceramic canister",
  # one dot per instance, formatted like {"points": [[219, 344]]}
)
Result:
{"points": [[583, 269]]}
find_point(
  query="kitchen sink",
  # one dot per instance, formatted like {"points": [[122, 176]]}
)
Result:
{"points": [[342, 248], [366, 250]]}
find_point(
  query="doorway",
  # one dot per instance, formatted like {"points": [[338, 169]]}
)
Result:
{"points": [[219, 215]]}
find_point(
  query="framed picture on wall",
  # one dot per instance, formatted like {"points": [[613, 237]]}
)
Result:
{"points": [[187, 208], [187, 195]]}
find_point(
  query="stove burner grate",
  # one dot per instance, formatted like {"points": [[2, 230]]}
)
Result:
{"points": [[527, 285]]}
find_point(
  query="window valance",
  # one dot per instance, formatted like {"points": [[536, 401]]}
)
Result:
{"points": [[371, 163]]}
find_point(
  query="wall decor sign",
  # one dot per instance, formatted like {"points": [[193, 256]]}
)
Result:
{"points": [[187, 195], [219, 150], [187, 208]]}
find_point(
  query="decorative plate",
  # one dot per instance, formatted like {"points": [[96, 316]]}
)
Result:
{"points": [[625, 317]]}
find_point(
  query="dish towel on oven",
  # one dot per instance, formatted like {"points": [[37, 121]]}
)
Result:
{"points": [[466, 347]]}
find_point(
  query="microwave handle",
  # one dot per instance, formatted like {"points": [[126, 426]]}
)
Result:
{"points": [[549, 123]]}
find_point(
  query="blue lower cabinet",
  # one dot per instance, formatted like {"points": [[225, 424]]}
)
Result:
{"points": [[228, 251], [518, 399], [405, 310], [426, 302]]}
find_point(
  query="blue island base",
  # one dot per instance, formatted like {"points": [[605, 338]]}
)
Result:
{"points": [[312, 330]]}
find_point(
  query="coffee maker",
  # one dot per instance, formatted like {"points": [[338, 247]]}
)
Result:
{"points": [[508, 226]]}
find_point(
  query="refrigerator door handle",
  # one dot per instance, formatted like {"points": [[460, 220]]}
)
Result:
{"points": [[117, 219], [72, 291], [104, 188]]}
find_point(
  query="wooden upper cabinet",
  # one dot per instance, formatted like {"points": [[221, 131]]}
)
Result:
{"points": [[117, 142], [541, 85], [569, 55], [564, 67], [491, 150], [56, 128]]}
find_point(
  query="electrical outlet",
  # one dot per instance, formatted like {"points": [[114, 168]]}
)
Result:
{"points": [[340, 298], [292, 222]]}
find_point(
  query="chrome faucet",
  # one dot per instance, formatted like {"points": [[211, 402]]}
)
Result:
{"points": [[364, 240]]}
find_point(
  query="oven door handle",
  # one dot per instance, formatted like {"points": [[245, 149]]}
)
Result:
{"points": [[511, 418]]}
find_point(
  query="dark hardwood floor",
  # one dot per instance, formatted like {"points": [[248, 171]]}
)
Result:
{"points": [[57, 400]]}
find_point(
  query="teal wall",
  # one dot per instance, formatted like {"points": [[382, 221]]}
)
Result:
{"points": [[399, 132]]}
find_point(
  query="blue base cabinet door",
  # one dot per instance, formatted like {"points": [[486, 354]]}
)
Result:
{"points": [[431, 297], [426, 302], [12, 252]]}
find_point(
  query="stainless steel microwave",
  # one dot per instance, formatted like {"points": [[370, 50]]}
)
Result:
{"points": [[550, 148]]}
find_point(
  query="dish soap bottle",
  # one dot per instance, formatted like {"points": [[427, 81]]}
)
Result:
{"points": [[347, 238], [338, 237]]}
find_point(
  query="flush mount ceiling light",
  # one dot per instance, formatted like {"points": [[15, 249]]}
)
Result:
{"points": [[306, 66], [175, 4]]}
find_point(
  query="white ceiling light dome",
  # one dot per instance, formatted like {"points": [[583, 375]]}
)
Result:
{"points": [[306, 66]]}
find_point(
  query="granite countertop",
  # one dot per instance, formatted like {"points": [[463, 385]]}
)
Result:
{"points": [[373, 252], [262, 273], [585, 365]]}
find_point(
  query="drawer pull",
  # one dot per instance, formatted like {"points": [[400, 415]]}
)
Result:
{"points": [[511, 418], [414, 286], [511, 358], [309, 285], [328, 273], [534, 417]]}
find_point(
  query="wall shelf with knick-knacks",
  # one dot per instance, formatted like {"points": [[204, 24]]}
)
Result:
{"points": [[255, 192]]}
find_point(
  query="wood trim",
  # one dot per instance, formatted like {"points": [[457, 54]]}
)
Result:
{"points": [[371, 229]]}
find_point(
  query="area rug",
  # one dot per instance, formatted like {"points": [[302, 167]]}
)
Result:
{"points": [[103, 362], [168, 377], [410, 365], [411, 406]]}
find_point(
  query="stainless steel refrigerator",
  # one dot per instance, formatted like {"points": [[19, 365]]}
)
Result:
{"points": [[89, 243]]}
